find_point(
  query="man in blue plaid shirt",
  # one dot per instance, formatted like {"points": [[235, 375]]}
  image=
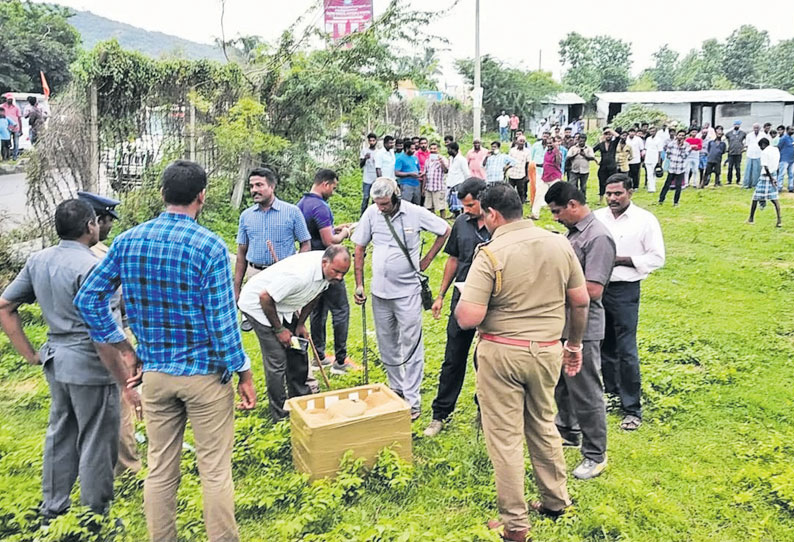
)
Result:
{"points": [[177, 288], [497, 164]]}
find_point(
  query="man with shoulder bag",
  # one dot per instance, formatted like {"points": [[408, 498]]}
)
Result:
{"points": [[399, 287]]}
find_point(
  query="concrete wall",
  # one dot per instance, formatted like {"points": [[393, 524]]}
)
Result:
{"points": [[724, 114], [748, 113], [679, 112]]}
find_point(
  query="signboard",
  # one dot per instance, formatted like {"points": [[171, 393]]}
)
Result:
{"points": [[343, 17]]}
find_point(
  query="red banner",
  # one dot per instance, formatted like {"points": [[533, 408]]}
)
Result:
{"points": [[343, 17]]}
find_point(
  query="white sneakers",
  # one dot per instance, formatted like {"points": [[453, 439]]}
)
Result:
{"points": [[434, 428], [588, 469]]}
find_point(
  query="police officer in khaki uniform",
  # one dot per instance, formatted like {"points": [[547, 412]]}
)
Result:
{"points": [[129, 458], [515, 294]]}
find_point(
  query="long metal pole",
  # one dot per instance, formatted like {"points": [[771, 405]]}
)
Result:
{"points": [[477, 109]]}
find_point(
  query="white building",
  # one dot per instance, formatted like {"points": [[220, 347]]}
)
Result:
{"points": [[719, 107], [567, 106]]}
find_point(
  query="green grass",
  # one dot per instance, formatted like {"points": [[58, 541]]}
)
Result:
{"points": [[712, 461]]}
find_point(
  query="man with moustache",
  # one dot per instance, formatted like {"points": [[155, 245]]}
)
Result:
{"points": [[639, 251], [581, 416], [268, 223]]}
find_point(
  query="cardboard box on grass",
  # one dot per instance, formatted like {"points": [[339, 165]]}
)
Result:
{"points": [[318, 444]]}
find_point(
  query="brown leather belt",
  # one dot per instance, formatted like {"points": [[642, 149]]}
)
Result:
{"points": [[514, 342]]}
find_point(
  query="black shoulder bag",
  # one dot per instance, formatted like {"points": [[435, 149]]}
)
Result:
{"points": [[424, 280]]}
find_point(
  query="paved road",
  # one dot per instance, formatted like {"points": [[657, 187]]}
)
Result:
{"points": [[13, 201]]}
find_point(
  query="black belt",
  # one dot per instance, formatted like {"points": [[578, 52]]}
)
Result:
{"points": [[257, 266]]}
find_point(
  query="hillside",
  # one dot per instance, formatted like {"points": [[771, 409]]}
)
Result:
{"points": [[94, 29]]}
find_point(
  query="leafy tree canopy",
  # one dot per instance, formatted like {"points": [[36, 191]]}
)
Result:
{"points": [[744, 60], [35, 37], [600, 63], [507, 88]]}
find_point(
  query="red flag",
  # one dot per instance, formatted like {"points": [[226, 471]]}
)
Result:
{"points": [[45, 87]]}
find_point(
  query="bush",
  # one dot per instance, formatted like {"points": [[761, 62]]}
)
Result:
{"points": [[637, 114]]}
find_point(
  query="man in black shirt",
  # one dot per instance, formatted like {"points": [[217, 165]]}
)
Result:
{"points": [[608, 165], [468, 232]]}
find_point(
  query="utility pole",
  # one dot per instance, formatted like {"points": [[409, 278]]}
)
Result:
{"points": [[540, 59], [477, 94]]}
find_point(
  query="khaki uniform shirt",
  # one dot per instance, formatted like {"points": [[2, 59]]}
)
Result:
{"points": [[537, 267]]}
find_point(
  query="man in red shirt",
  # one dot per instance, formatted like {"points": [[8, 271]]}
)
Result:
{"points": [[513, 126], [13, 113], [475, 158], [422, 153]]}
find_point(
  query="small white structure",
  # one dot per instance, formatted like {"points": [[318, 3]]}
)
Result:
{"points": [[562, 109], [714, 106]]}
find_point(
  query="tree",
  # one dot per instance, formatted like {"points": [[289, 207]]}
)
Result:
{"points": [[664, 70], [601, 63], [35, 37], [644, 83], [507, 88], [777, 68], [637, 114], [744, 55]]}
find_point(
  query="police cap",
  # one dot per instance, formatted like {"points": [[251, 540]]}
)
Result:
{"points": [[101, 204]]}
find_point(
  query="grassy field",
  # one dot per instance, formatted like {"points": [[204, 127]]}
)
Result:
{"points": [[712, 462]]}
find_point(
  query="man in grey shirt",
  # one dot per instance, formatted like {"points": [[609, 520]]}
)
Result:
{"points": [[396, 299], [82, 433], [580, 398], [735, 139]]}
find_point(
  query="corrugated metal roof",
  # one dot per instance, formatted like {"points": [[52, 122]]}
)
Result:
{"points": [[705, 96], [565, 98]]}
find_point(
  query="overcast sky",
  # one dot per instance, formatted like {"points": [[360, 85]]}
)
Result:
{"points": [[512, 30]]}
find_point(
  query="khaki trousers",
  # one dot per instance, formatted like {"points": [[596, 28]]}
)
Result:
{"points": [[168, 403], [128, 459], [515, 388]]}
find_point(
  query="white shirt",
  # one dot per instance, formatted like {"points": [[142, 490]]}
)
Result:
{"points": [[653, 147], [753, 150], [292, 283], [637, 145], [770, 158], [458, 171], [384, 160], [369, 164], [503, 121], [637, 235]]}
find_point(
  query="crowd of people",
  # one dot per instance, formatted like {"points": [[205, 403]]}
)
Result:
{"points": [[11, 124], [546, 354]]}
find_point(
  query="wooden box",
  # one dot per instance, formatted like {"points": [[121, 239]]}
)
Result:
{"points": [[322, 432]]}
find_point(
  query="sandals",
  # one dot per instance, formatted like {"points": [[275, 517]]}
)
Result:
{"points": [[630, 423]]}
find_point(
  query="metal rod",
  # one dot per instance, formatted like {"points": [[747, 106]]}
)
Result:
{"points": [[319, 362]]}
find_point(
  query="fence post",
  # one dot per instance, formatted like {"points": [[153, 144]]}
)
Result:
{"points": [[239, 185], [192, 134], [93, 149]]}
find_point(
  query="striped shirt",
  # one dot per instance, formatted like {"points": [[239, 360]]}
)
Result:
{"points": [[282, 224], [434, 181], [177, 289]]}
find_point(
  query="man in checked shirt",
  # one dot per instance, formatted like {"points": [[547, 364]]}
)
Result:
{"points": [[435, 190], [177, 289]]}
